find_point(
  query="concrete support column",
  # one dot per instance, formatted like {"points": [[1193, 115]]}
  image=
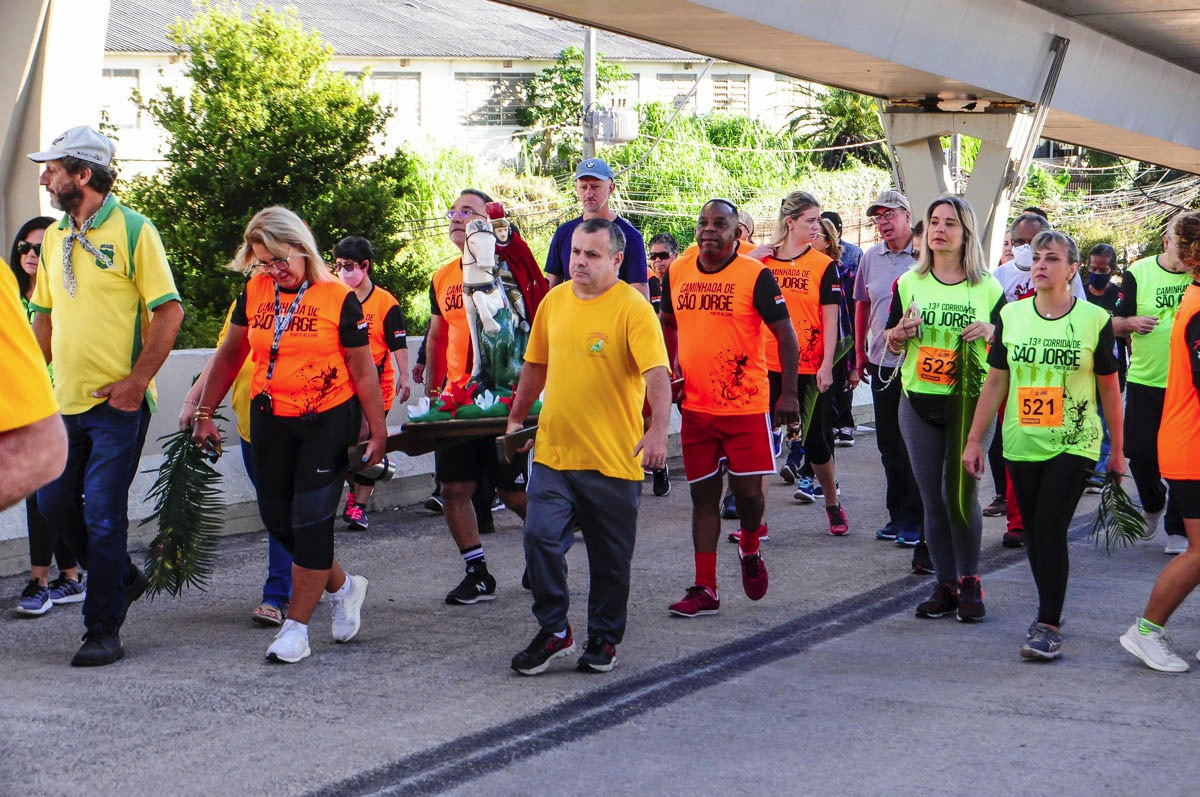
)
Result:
{"points": [[55, 54], [915, 136]]}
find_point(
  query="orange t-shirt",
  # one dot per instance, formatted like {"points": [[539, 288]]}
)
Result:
{"points": [[310, 372], [446, 300], [721, 319], [1179, 433], [743, 248], [385, 326], [807, 282]]}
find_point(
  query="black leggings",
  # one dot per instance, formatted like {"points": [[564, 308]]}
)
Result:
{"points": [[1143, 416], [44, 541], [301, 464], [1048, 493], [818, 438]]}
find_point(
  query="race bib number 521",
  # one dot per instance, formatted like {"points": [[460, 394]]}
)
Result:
{"points": [[1040, 406]]}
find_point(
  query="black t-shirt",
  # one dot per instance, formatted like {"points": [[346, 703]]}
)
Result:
{"points": [[654, 284]]}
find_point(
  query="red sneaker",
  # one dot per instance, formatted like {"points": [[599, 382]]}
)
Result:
{"points": [[698, 600], [838, 524], [350, 505], [1013, 538], [754, 576], [356, 518], [763, 536]]}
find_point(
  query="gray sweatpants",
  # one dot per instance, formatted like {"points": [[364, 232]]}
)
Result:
{"points": [[606, 509], [954, 550]]}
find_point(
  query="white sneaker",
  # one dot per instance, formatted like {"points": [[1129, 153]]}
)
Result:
{"points": [[347, 611], [291, 643], [1153, 649], [1152, 520], [1176, 543]]}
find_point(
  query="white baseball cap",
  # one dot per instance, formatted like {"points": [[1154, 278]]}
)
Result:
{"points": [[81, 142]]}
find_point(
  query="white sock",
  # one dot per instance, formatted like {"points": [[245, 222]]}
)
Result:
{"points": [[292, 625], [344, 591]]}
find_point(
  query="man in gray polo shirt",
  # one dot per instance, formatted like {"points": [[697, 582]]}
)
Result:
{"points": [[880, 267]]}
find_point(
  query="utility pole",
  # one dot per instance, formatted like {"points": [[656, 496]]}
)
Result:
{"points": [[589, 92]]}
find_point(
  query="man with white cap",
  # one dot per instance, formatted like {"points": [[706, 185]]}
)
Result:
{"points": [[878, 270], [594, 185], [107, 307]]}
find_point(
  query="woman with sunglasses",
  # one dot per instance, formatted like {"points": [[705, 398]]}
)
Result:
{"points": [[946, 296], [353, 258], [1050, 357], [313, 377], [40, 593]]}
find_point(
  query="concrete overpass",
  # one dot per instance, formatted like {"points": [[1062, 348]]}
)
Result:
{"points": [[1119, 76]]}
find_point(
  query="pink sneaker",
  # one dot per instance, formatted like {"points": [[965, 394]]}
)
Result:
{"points": [[838, 524], [356, 518], [349, 506], [698, 600]]}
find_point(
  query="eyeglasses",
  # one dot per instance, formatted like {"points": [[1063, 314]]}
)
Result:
{"points": [[887, 215], [349, 265], [24, 247], [659, 255], [278, 264], [463, 214]]}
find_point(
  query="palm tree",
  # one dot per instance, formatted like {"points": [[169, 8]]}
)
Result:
{"points": [[839, 118]]}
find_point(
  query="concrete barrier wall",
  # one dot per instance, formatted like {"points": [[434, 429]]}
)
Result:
{"points": [[413, 482]]}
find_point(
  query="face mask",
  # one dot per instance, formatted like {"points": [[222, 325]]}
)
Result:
{"points": [[1098, 281], [1023, 256], [353, 278]]}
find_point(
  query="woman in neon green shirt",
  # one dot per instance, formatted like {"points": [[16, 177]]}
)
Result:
{"points": [[947, 296], [1050, 357]]}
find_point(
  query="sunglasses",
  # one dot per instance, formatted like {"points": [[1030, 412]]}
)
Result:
{"points": [[25, 247], [348, 265], [659, 255]]}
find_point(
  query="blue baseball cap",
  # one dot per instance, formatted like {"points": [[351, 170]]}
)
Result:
{"points": [[594, 167]]}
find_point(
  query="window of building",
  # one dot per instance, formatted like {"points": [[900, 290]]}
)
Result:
{"points": [[400, 91], [491, 99], [731, 93], [673, 90], [116, 100], [623, 93]]}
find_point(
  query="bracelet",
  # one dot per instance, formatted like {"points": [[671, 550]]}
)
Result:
{"points": [[888, 341], [186, 401]]}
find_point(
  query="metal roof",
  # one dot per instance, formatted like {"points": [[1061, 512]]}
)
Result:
{"points": [[400, 29]]}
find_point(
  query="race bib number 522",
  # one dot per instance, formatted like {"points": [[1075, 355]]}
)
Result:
{"points": [[934, 365]]}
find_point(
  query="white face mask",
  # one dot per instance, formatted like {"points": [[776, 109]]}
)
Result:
{"points": [[1023, 256]]}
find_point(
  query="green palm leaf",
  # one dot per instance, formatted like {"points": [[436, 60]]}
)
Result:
{"points": [[966, 377], [189, 511], [808, 402], [1117, 521]]}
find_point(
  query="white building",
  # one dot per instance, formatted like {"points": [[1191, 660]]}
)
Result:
{"points": [[452, 70]]}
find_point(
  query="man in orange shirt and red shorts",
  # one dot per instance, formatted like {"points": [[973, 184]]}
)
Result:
{"points": [[717, 304]]}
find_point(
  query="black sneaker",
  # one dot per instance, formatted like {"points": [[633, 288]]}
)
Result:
{"points": [[544, 648], [433, 503], [662, 484], [99, 648], [477, 585], [729, 507], [598, 656], [970, 600], [1043, 643], [133, 590], [942, 601], [843, 438]]}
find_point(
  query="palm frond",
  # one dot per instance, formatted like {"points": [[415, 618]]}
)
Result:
{"points": [[966, 379], [808, 402], [189, 512], [1118, 520]]}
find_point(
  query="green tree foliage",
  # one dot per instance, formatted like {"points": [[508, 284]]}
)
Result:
{"points": [[266, 122], [838, 118], [554, 109]]}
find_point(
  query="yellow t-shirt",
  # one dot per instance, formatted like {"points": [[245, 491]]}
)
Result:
{"points": [[99, 332], [27, 396], [240, 397], [595, 352]]}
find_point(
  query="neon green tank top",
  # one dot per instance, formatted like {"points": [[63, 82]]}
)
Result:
{"points": [[1051, 407], [1158, 294], [945, 311]]}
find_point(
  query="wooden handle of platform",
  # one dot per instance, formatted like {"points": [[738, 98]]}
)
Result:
{"points": [[508, 445]]}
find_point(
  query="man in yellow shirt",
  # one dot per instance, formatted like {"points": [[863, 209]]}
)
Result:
{"points": [[106, 306], [33, 445], [597, 349]]}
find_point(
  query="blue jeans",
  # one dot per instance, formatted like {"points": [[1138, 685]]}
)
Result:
{"points": [[277, 590], [103, 448]]}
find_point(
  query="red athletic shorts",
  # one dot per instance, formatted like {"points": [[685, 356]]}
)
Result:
{"points": [[742, 442]]}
